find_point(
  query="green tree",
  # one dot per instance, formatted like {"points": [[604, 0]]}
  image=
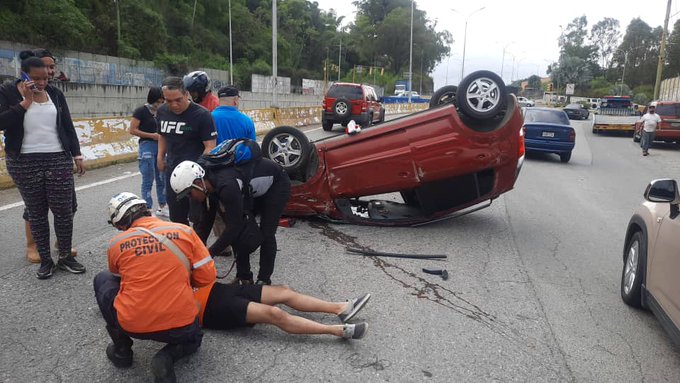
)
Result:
{"points": [[534, 82], [605, 36], [673, 52], [638, 53]]}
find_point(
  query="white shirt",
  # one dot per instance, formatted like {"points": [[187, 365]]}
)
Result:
{"points": [[651, 121], [40, 128]]}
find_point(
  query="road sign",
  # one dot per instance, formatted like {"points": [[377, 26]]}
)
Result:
{"points": [[570, 89]]}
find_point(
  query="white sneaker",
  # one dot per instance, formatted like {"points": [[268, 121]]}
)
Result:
{"points": [[163, 211]]}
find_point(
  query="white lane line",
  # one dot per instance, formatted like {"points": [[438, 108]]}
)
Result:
{"points": [[79, 188]]}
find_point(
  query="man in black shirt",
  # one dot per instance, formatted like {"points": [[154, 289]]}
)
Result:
{"points": [[223, 188], [186, 130]]}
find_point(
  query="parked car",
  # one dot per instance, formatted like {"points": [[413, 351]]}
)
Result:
{"points": [[669, 128], [548, 130], [452, 159], [576, 112], [651, 256], [525, 102], [348, 101]]}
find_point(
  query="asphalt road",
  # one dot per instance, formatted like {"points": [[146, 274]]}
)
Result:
{"points": [[533, 292]]}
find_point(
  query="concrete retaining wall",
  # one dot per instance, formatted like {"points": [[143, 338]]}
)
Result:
{"points": [[105, 140]]}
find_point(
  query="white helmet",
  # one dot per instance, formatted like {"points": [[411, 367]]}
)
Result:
{"points": [[120, 204], [183, 177]]}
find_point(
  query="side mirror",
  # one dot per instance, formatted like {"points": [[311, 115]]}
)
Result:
{"points": [[663, 191]]}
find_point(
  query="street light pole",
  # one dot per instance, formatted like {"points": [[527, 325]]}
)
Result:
{"points": [[410, 58], [274, 53], [503, 59], [231, 59], [462, 67], [118, 18]]}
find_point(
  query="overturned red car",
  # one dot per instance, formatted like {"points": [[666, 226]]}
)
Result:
{"points": [[456, 157]]}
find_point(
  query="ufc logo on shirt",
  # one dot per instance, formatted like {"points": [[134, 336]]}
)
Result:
{"points": [[169, 126]]}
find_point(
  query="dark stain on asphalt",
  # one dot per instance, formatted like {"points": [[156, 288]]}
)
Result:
{"points": [[360, 363], [419, 286]]}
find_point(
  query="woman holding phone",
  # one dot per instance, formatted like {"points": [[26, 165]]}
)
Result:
{"points": [[41, 146]]}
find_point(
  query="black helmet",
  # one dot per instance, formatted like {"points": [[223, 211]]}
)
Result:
{"points": [[197, 81]]}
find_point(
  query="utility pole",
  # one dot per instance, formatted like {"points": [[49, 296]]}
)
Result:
{"points": [[662, 53], [118, 20], [231, 58], [410, 59], [274, 54], [340, 54]]}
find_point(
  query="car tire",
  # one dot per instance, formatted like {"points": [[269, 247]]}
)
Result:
{"points": [[632, 275], [287, 146], [565, 157], [444, 95], [636, 136], [342, 108], [482, 95], [327, 125]]}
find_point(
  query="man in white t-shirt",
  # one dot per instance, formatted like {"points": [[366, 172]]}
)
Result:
{"points": [[650, 121]]}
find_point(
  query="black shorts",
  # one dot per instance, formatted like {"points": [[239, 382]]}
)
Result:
{"points": [[228, 304]]}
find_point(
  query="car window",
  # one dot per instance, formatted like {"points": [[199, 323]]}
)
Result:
{"points": [[668, 110], [350, 92], [549, 116], [573, 106]]}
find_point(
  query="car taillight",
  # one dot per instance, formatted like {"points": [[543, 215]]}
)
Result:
{"points": [[572, 135], [364, 106], [522, 149]]}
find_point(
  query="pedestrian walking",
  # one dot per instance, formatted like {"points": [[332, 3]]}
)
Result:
{"points": [[650, 121], [186, 130], [42, 147], [145, 126], [147, 291]]}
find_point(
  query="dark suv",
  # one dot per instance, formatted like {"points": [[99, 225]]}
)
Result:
{"points": [[348, 101]]}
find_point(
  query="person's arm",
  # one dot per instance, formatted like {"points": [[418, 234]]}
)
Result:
{"points": [[113, 267], [251, 129], [12, 116], [135, 131], [160, 158], [67, 123], [207, 132], [232, 200], [202, 266]]}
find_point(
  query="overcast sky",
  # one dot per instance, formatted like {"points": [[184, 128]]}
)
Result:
{"points": [[527, 28]]}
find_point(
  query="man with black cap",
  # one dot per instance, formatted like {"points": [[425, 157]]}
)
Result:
{"points": [[229, 122]]}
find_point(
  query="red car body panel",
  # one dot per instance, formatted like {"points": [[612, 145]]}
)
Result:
{"points": [[432, 151]]}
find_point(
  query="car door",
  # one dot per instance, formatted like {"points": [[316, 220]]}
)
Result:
{"points": [[664, 262]]}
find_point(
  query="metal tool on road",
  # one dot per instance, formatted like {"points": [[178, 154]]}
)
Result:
{"points": [[437, 271], [393, 255]]}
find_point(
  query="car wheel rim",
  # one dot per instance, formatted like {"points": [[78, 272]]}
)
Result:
{"points": [[341, 108], [630, 271], [483, 94], [446, 98], [285, 149]]}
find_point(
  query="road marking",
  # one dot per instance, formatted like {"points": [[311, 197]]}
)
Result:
{"points": [[79, 188]]}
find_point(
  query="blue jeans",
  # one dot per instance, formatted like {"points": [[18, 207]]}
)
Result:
{"points": [[647, 139], [148, 150]]}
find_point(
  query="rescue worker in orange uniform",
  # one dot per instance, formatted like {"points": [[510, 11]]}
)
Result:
{"points": [[147, 291]]}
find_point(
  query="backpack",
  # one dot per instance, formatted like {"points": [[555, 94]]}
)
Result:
{"points": [[234, 152]]}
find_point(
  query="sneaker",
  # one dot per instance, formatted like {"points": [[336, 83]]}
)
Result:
{"points": [[121, 357], [71, 265], [163, 211], [353, 307], [354, 331], [263, 283], [46, 270]]}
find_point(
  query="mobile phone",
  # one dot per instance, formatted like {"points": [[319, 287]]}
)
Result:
{"points": [[25, 77]]}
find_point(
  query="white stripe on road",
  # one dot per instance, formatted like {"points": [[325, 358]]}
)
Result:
{"points": [[79, 188]]}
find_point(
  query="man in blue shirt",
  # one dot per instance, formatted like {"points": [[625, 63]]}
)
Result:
{"points": [[229, 122]]}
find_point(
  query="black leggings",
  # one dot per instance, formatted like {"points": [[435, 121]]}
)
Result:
{"points": [[45, 181], [269, 207]]}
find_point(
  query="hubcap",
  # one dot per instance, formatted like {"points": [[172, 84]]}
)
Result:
{"points": [[341, 108], [285, 149], [630, 271], [483, 94]]}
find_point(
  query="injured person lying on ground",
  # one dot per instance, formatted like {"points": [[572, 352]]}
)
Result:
{"points": [[224, 307]]}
